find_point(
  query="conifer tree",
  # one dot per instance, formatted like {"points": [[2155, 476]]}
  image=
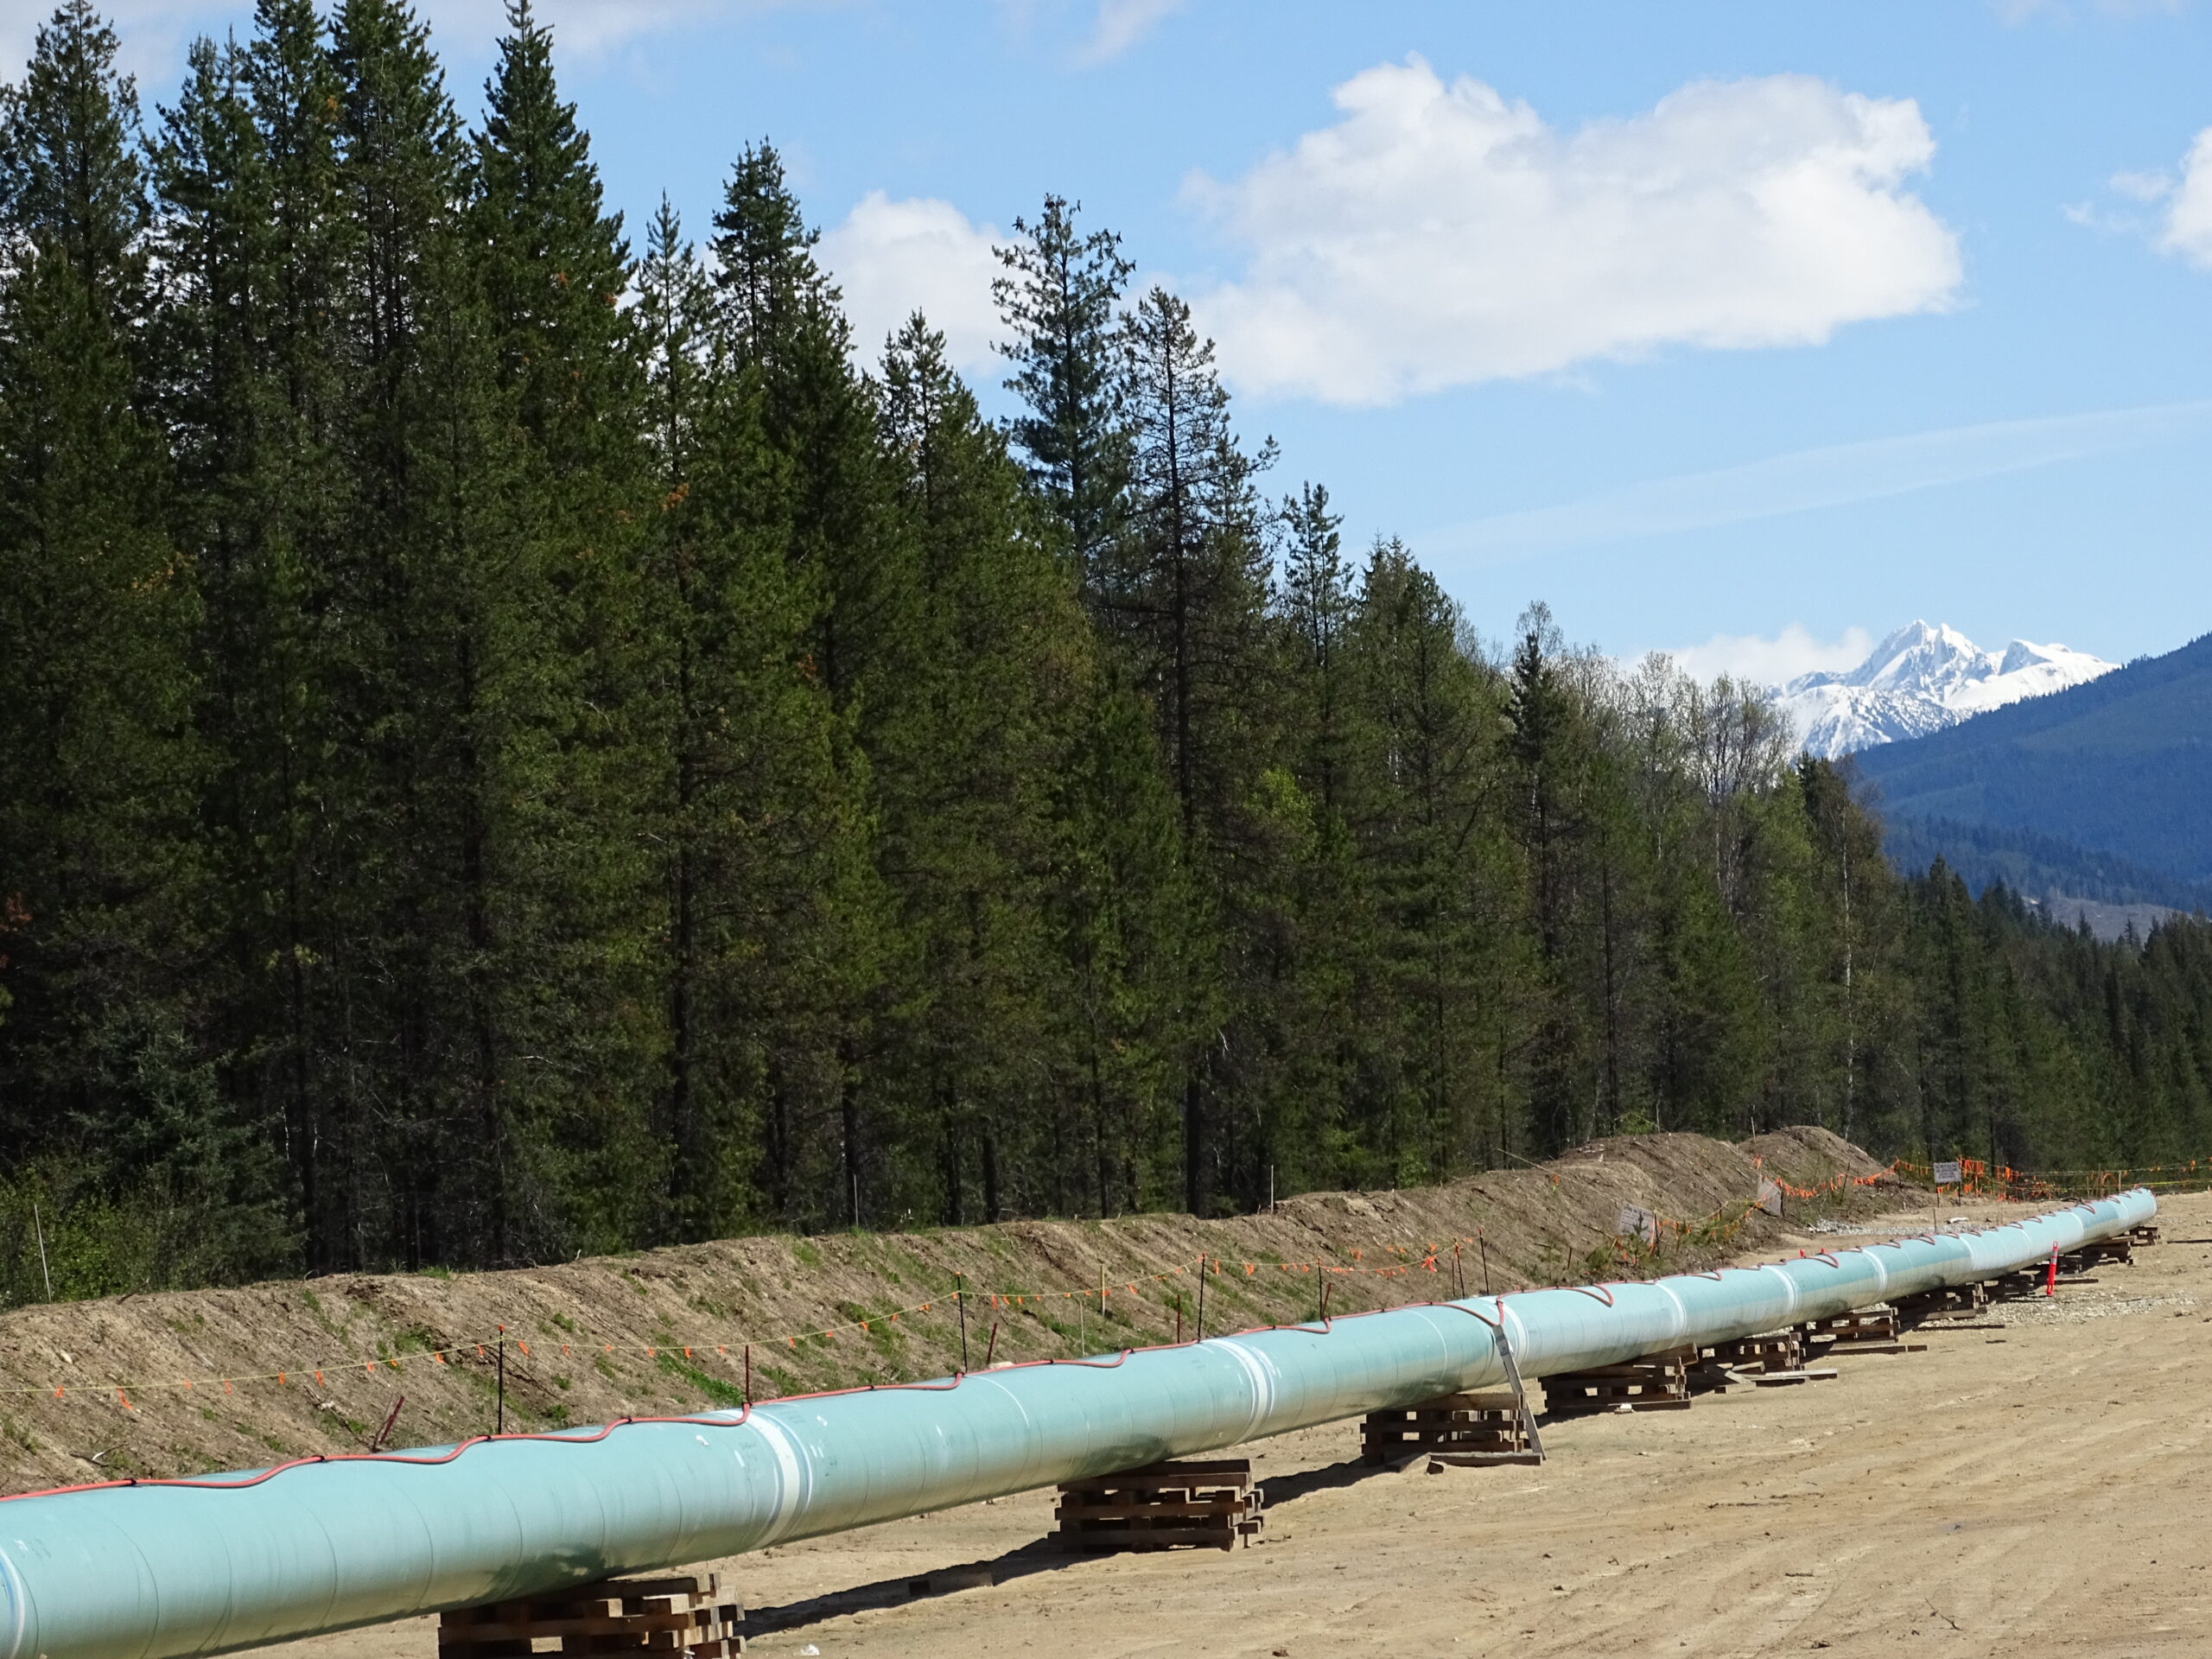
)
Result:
{"points": [[553, 268], [761, 804], [103, 1063], [783, 326], [1060, 300]]}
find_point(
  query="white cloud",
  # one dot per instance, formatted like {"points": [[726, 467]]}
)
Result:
{"points": [[2188, 228], [1440, 235], [2177, 216], [1830, 476], [1776, 661], [894, 257], [1121, 23]]}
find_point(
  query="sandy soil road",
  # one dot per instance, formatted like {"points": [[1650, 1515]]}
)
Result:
{"points": [[2046, 1482]]}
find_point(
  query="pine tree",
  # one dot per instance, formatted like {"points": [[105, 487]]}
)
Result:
{"points": [[1060, 300], [783, 326], [578, 923], [105, 1062], [968, 777], [1186, 604], [761, 804]]}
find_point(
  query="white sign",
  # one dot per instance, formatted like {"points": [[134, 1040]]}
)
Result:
{"points": [[1770, 1197], [1638, 1223], [1947, 1174]]}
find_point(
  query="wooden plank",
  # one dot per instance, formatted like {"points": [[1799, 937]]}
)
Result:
{"points": [[1478, 1459], [1129, 1511], [629, 1624]]}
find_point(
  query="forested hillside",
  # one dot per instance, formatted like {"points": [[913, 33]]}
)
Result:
{"points": [[517, 739], [2104, 790]]}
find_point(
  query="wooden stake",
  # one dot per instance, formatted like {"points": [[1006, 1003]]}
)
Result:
{"points": [[384, 1434]]}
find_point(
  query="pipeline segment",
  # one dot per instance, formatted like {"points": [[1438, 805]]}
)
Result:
{"points": [[153, 1570]]}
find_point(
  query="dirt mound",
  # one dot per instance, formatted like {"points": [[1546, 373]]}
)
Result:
{"points": [[191, 1382], [1806, 1156]]}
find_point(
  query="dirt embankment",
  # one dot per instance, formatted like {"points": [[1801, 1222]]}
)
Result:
{"points": [[192, 1382]]}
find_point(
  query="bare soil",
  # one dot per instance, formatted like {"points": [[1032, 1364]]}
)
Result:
{"points": [[2044, 1481], [189, 1382]]}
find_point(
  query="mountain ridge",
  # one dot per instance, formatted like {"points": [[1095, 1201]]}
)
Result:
{"points": [[2117, 769], [1923, 679]]}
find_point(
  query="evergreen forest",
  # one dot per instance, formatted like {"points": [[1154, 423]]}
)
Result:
{"points": [[519, 736]]}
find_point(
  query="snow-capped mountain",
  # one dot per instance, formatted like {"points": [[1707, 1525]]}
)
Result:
{"points": [[1920, 680]]}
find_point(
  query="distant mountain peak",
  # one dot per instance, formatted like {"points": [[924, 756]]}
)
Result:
{"points": [[1920, 679]]}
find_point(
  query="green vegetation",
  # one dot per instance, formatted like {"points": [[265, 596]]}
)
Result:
{"points": [[515, 744], [2098, 791]]}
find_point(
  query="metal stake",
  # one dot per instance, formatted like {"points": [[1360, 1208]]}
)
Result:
{"points": [[960, 1301], [502, 1429]]}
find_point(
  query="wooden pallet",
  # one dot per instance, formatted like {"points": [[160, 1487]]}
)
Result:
{"points": [[1863, 1328], [1657, 1381], [1778, 1350], [2023, 1284], [1472, 1428], [2145, 1235], [1947, 1304], [685, 1614], [2118, 1251], [1205, 1503]]}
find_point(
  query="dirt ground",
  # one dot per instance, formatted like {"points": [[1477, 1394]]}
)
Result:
{"points": [[2044, 1481]]}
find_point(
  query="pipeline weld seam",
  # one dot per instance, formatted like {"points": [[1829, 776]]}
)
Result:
{"points": [[1682, 1314], [18, 1608], [1788, 1286], [1260, 1375], [793, 1471]]}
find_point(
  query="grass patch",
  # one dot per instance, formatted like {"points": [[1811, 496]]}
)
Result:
{"points": [[721, 1393]]}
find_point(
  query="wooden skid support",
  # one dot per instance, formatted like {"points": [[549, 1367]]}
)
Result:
{"points": [[1865, 1330], [686, 1615], [1197, 1503], [2118, 1251], [1655, 1382], [1490, 1424], [1947, 1304], [1778, 1351], [2144, 1235]]}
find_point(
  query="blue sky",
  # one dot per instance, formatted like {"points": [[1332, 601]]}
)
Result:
{"points": [[1747, 328]]}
